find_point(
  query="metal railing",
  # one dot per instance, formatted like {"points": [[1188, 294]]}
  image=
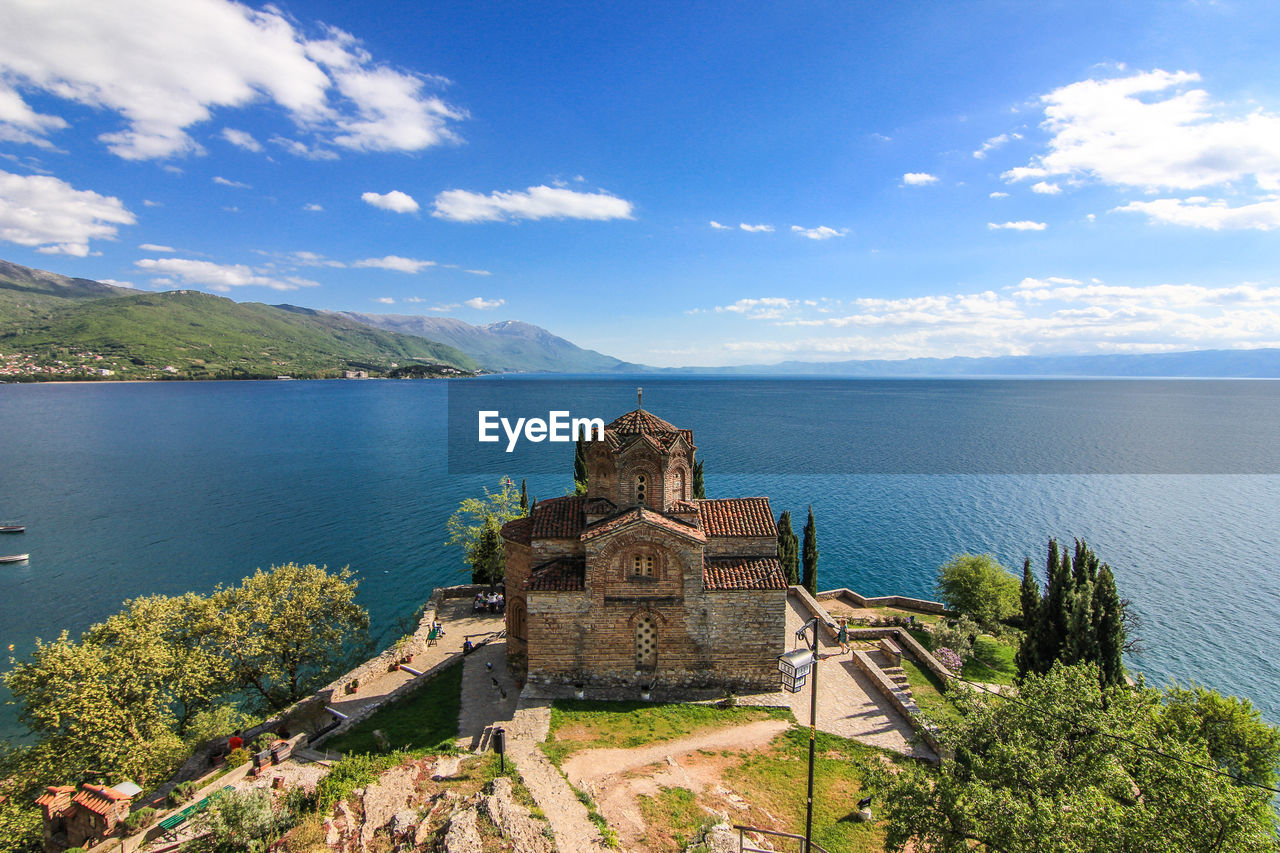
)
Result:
{"points": [[800, 847]]}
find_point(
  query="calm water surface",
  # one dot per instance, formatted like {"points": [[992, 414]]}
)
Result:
{"points": [[131, 489]]}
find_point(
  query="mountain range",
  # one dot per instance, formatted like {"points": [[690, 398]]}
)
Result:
{"points": [[57, 327]]}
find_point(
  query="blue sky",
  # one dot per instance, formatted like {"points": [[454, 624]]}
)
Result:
{"points": [[723, 184]]}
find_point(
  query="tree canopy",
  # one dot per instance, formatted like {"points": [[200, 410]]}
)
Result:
{"points": [[977, 585], [466, 527], [1071, 766], [788, 548], [809, 555]]}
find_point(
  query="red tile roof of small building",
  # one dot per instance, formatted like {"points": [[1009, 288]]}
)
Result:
{"points": [[743, 573], [737, 517], [519, 530], [563, 574], [53, 793], [98, 799], [683, 507], [637, 513]]}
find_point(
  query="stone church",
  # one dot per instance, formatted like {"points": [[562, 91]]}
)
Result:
{"points": [[638, 584]]}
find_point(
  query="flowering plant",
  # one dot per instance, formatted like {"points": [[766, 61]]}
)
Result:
{"points": [[949, 659]]}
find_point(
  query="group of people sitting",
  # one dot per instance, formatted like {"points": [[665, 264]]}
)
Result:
{"points": [[492, 602]]}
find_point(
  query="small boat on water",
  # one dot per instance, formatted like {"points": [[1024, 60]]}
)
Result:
{"points": [[12, 528], [15, 558]]}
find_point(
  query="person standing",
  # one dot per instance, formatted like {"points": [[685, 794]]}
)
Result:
{"points": [[842, 636]]}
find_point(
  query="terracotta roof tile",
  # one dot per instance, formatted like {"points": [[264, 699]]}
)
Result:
{"points": [[98, 799], [558, 518], [563, 574], [683, 507], [743, 573], [737, 517], [640, 421], [53, 793], [519, 530], [637, 513]]}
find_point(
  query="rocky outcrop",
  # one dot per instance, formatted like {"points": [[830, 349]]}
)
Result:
{"points": [[514, 821]]}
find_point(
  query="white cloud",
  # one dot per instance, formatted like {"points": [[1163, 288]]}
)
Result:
{"points": [[762, 308], [301, 149], [1200, 212], [1151, 131], [822, 232], [481, 304], [226, 182], [312, 207], [1020, 225], [1055, 314], [994, 143], [1045, 188], [54, 217], [163, 67], [396, 263], [477, 272], [719, 227], [452, 306], [919, 179], [395, 201], [309, 259], [153, 247], [146, 202], [219, 277], [541, 202], [998, 194], [241, 139], [758, 229], [118, 283], [385, 300]]}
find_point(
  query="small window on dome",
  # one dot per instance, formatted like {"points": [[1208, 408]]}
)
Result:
{"points": [[640, 488], [642, 565]]}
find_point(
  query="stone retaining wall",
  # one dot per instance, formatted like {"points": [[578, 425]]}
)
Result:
{"points": [[901, 601], [899, 699]]}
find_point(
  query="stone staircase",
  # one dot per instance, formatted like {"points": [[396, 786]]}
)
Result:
{"points": [[898, 676]]}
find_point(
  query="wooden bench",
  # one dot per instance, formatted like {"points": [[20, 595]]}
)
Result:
{"points": [[170, 824]]}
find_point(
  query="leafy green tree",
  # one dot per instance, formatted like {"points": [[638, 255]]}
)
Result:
{"points": [[788, 548], [466, 525], [699, 486], [1069, 766], [976, 584], [1233, 732], [810, 578], [580, 468], [287, 631]]}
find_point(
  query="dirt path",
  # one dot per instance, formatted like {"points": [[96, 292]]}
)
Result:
{"points": [[594, 764]]}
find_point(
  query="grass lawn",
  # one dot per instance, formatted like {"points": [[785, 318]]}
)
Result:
{"points": [[774, 780], [927, 690], [674, 819], [578, 724], [425, 720], [992, 661]]}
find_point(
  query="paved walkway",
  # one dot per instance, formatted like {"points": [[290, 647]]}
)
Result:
{"points": [[459, 622], [848, 704], [527, 724]]}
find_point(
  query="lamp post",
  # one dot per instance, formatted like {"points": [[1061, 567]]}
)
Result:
{"points": [[795, 665]]}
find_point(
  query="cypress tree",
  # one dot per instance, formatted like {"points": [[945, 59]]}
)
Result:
{"points": [[1029, 650], [580, 469], [699, 488], [788, 549], [1081, 645], [1086, 564], [488, 561], [1055, 610], [1108, 627], [524, 498], [810, 579]]}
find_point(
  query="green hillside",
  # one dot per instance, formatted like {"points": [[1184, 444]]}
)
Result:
{"points": [[68, 328]]}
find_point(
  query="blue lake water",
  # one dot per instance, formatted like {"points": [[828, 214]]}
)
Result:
{"points": [[130, 489]]}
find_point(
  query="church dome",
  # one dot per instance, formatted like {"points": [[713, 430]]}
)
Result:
{"points": [[640, 421]]}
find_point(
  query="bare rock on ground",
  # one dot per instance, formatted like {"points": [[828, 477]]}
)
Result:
{"points": [[463, 835], [720, 838], [515, 821]]}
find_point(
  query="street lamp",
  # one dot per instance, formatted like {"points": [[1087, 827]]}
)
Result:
{"points": [[795, 666]]}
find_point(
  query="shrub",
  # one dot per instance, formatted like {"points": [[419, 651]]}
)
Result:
{"points": [[977, 585], [238, 757], [182, 792], [949, 659], [957, 636], [140, 819]]}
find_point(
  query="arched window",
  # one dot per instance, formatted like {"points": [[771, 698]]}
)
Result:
{"points": [[642, 565], [640, 482], [646, 643], [680, 494]]}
